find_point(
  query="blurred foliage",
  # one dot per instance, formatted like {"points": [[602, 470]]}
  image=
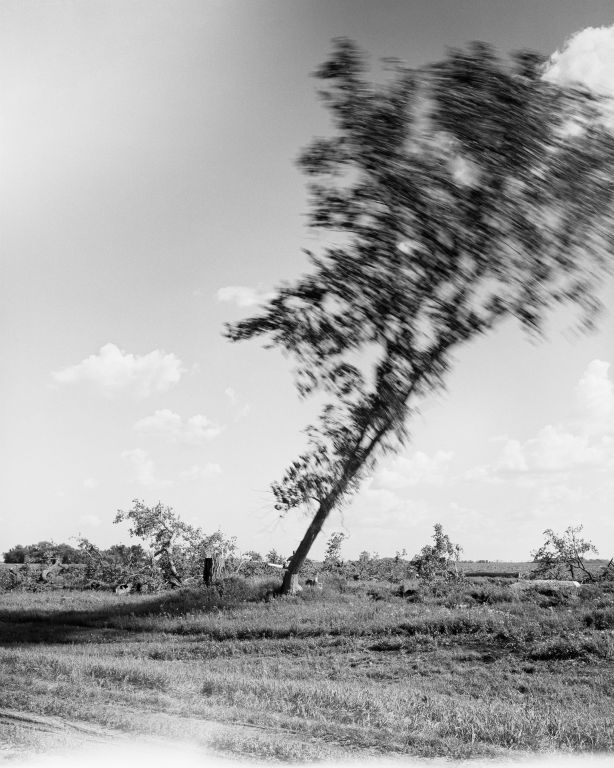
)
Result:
{"points": [[456, 196]]}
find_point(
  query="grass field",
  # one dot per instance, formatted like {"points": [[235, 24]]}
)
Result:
{"points": [[349, 670]]}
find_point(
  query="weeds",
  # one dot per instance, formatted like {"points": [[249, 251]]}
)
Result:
{"points": [[328, 666]]}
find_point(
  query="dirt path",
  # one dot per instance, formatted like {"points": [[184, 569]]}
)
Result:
{"points": [[24, 736]]}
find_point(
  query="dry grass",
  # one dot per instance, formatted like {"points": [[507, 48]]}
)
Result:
{"points": [[326, 671]]}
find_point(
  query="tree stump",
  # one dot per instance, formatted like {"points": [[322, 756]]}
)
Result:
{"points": [[212, 569]]}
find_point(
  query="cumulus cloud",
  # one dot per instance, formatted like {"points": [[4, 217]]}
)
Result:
{"points": [[417, 468], [587, 58], [385, 509], [113, 371], [143, 468], [195, 472], [195, 430], [586, 442], [243, 295]]}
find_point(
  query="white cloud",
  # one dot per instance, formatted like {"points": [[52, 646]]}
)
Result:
{"points": [[202, 473], [587, 58], [378, 499], [512, 457], [381, 508], [243, 295], [555, 449], [197, 429], [405, 471], [90, 482], [143, 468], [114, 371], [583, 443]]}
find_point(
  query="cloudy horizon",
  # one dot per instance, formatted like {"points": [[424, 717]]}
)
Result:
{"points": [[150, 195]]}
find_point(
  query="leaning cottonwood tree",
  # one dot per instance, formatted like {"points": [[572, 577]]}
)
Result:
{"points": [[457, 195]]}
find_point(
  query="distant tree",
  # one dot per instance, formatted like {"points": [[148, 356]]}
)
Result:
{"points": [[562, 553], [178, 547], [253, 555], [332, 556], [68, 554], [438, 560], [43, 552], [97, 567], [160, 527], [130, 557], [16, 554], [458, 195], [273, 556]]}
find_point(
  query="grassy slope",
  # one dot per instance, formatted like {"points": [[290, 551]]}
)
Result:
{"points": [[322, 671]]}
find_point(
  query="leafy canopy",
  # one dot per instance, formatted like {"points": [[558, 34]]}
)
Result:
{"points": [[453, 196]]}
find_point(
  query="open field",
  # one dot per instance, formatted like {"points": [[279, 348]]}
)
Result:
{"points": [[349, 670]]}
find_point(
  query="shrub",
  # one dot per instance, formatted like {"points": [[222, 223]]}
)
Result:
{"points": [[10, 578], [600, 619]]}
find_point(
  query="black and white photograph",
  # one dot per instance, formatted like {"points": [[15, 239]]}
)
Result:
{"points": [[307, 395]]}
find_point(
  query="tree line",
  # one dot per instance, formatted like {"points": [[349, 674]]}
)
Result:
{"points": [[174, 553]]}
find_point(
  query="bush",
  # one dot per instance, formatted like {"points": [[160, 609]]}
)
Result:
{"points": [[600, 619], [10, 578]]}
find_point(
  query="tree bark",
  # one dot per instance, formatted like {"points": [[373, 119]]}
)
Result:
{"points": [[290, 582], [212, 569]]}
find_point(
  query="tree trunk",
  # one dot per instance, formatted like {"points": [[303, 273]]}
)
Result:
{"points": [[212, 569], [353, 465], [290, 583]]}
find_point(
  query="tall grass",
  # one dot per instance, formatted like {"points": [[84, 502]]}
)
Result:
{"points": [[493, 677]]}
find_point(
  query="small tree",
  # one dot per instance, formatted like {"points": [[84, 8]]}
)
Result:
{"points": [[163, 531], [332, 556], [565, 552], [457, 196], [274, 557], [438, 560]]}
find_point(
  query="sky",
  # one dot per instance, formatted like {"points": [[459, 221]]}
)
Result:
{"points": [[149, 194]]}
